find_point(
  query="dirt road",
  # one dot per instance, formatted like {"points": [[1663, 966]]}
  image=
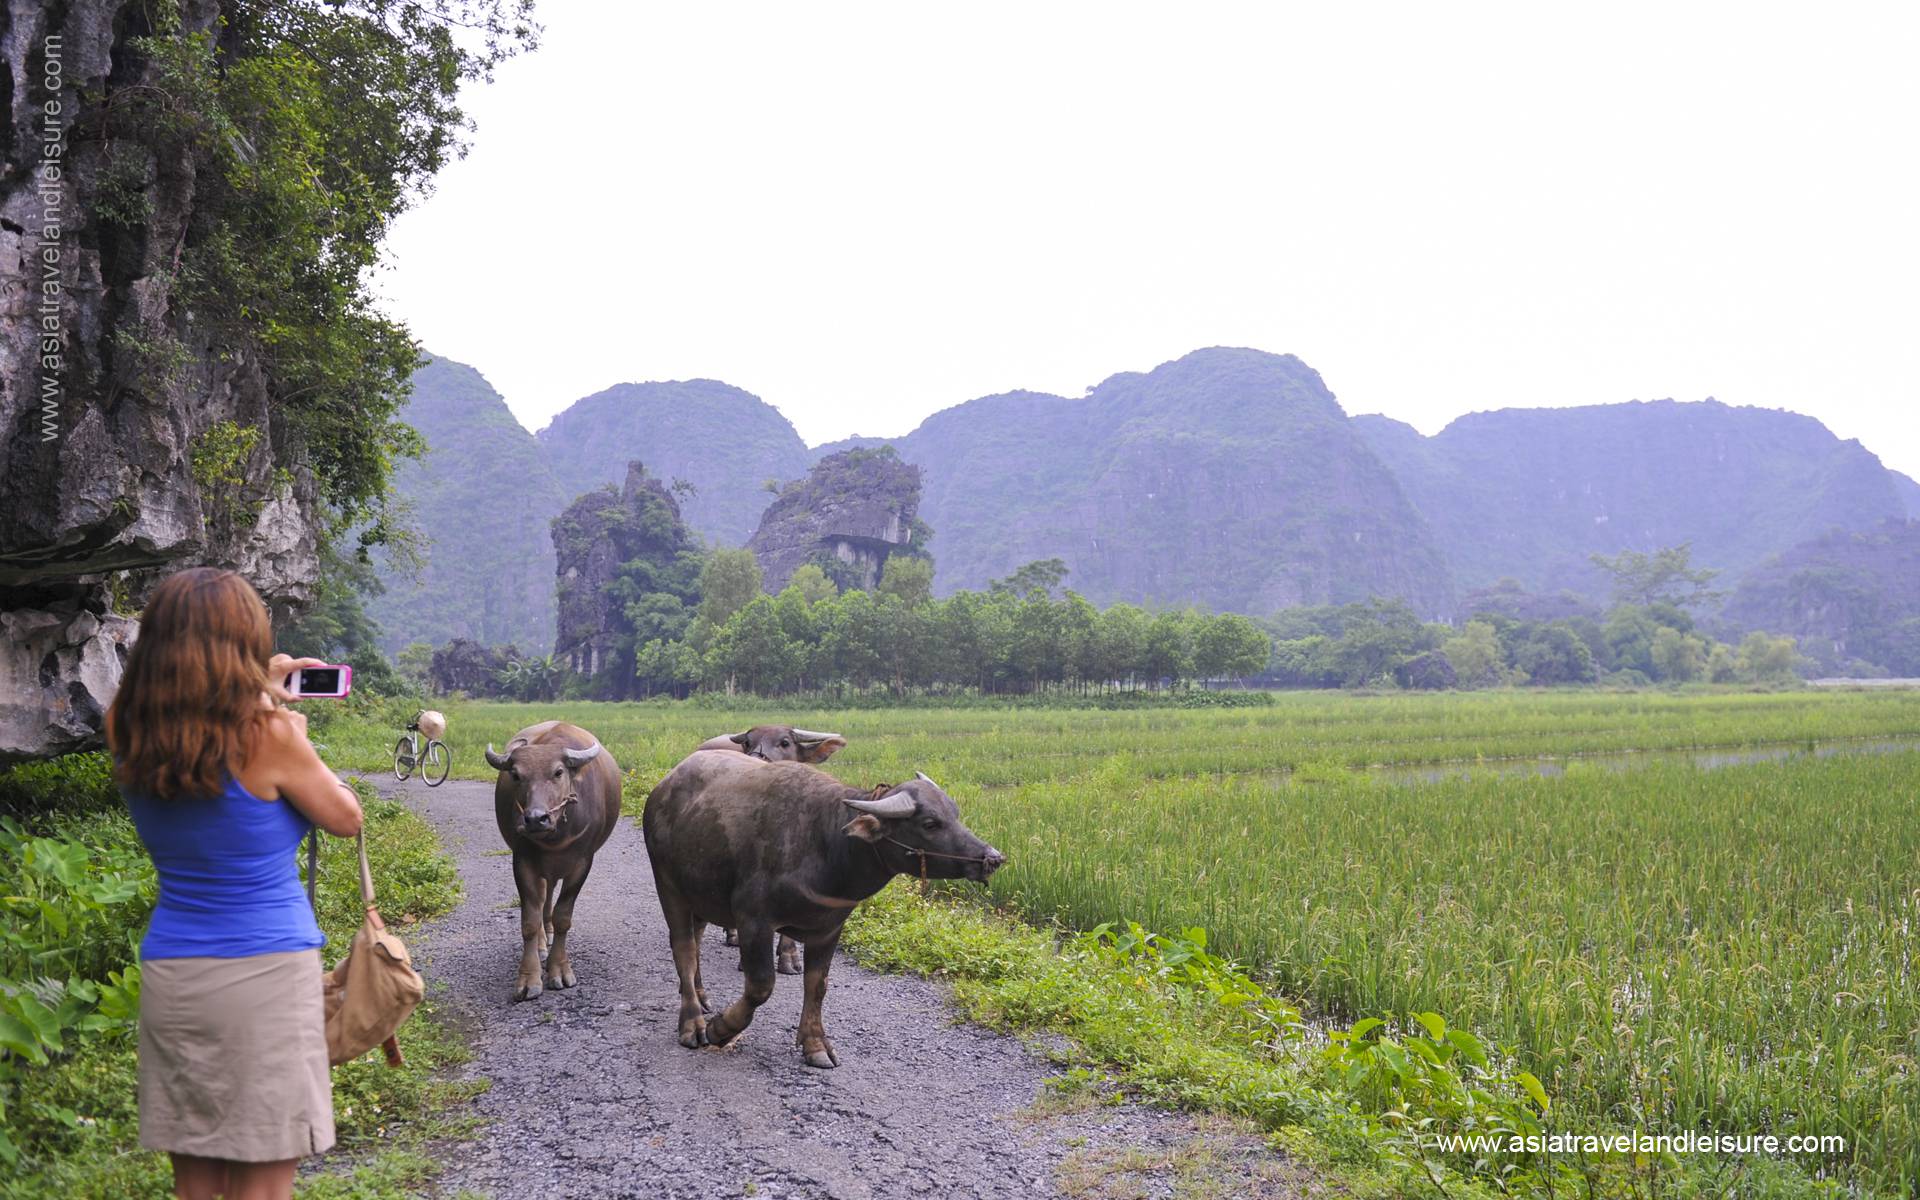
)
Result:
{"points": [[592, 1096]]}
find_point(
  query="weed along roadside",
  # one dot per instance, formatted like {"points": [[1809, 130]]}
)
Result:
{"points": [[78, 887]]}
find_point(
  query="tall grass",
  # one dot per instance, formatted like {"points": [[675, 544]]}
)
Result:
{"points": [[1671, 948]]}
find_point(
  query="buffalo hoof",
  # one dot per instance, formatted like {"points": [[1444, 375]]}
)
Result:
{"points": [[788, 963], [693, 1034], [732, 939], [561, 978], [527, 991], [823, 1058], [717, 1033]]}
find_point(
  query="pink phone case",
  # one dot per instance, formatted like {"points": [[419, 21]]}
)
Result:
{"points": [[346, 684]]}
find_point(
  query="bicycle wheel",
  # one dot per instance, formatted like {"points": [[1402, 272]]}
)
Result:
{"points": [[435, 764], [403, 760]]}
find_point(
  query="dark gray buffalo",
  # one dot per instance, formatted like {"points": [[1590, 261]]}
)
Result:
{"points": [[783, 848], [556, 801], [778, 743]]}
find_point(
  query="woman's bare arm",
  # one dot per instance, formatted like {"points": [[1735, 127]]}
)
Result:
{"points": [[289, 762]]}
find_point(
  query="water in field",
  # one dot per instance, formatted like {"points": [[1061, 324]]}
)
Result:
{"points": [[1554, 767]]}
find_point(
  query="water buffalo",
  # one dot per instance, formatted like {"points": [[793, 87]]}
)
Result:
{"points": [[785, 848], [778, 743], [556, 801]]}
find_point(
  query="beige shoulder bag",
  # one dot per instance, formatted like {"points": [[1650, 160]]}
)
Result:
{"points": [[374, 988]]}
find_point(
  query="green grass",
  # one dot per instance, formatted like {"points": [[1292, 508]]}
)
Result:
{"points": [[1667, 947], [1006, 748], [74, 1120]]}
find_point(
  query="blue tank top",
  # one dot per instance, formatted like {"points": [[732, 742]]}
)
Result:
{"points": [[229, 886]]}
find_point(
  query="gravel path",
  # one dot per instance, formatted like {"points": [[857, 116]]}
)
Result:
{"points": [[592, 1096]]}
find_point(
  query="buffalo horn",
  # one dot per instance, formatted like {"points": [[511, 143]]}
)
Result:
{"points": [[495, 759], [580, 758], [809, 737], [899, 804], [922, 775]]}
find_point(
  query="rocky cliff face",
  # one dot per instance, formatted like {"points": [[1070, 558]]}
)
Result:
{"points": [[1531, 493], [856, 507], [119, 463], [482, 498], [726, 442]]}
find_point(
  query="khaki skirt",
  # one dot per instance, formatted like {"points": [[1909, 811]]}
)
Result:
{"points": [[233, 1057]]}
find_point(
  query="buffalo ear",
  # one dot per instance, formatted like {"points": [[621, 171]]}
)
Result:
{"points": [[866, 827], [738, 739], [821, 749]]}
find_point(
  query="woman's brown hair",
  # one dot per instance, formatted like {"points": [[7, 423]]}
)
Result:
{"points": [[189, 704]]}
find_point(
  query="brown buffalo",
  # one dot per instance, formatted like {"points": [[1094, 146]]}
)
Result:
{"points": [[778, 743], [783, 848], [556, 801]]}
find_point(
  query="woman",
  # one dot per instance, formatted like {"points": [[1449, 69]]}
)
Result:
{"points": [[223, 785]]}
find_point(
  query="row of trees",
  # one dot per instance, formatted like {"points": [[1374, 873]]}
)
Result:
{"points": [[1383, 642], [1018, 636], [1028, 633]]}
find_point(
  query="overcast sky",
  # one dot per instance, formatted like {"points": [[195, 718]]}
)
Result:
{"points": [[864, 213]]}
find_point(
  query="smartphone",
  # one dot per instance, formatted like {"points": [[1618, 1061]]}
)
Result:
{"points": [[320, 683]]}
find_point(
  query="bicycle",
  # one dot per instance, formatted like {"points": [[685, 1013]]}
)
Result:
{"points": [[433, 760]]}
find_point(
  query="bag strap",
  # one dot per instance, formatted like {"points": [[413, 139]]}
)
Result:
{"points": [[313, 867], [366, 872]]}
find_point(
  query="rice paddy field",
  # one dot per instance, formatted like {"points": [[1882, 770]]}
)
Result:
{"points": [[1698, 915]]}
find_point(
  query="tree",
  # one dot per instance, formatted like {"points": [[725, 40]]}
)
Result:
{"points": [[1121, 641], [1474, 654], [1678, 657], [853, 639], [530, 679], [414, 665], [751, 650], [1429, 672], [1039, 576], [1169, 648], [1722, 665], [335, 626], [813, 583], [1230, 646], [1553, 653], [909, 578], [729, 580], [801, 626], [1666, 574], [1765, 659]]}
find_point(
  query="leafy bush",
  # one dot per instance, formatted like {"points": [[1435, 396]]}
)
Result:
{"points": [[72, 784], [74, 903], [76, 889]]}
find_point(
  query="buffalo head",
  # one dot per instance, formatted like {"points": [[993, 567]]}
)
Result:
{"points": [[919, 822], [784, 743], [541, 779]]}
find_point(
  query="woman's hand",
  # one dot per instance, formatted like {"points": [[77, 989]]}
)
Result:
{"points": [[279, 667]]}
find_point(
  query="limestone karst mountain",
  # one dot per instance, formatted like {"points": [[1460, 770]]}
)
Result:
{"points": [[853, 510], [727, 443], [1229, 478], [480, 497], [1531, 493]]}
